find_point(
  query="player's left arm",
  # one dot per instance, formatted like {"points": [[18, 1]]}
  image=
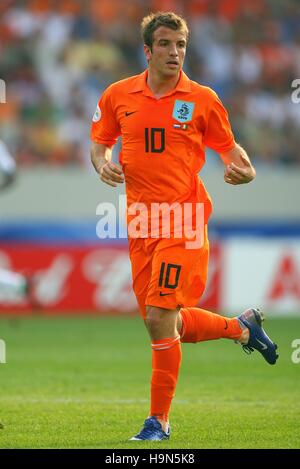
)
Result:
{"points": [[238, 167]]}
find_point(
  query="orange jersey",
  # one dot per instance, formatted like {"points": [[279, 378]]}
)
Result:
{"points": [[163, 140]]}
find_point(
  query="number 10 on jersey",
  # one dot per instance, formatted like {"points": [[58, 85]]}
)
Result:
{"points": [[155, 141]]}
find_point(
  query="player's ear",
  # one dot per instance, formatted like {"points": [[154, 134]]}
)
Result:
{"points": [[147, 51]]}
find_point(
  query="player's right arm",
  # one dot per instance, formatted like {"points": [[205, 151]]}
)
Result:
{"points": [[105, 131], [109, 172]]}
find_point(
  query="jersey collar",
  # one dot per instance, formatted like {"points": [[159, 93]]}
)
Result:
{"points": [[140, 84]]}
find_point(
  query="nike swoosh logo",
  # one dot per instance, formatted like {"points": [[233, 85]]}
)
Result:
{"points": [[164, 294], [129, 113], [264, 346]]}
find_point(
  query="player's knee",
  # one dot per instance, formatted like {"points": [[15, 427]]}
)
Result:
{"points": [[160, 322], [154, 319]]}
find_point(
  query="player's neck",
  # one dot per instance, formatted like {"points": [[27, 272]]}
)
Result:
{"points": [[161, 85]]}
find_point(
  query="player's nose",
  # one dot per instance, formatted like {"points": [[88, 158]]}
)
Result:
{"points": [[173, 52]]}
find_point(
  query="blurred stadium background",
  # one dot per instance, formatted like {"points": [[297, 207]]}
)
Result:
{"points": [[56, 58]]}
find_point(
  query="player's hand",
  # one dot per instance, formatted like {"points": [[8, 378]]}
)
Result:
{"points": [[239, 175], [111, 174]]}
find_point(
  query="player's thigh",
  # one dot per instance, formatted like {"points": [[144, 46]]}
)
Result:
{"points": [[141, 271]]}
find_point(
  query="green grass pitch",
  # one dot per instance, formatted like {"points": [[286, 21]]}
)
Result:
{"points": [[84, 383]]}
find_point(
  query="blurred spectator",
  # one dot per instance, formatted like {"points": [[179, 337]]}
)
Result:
{"points": [[58, 56]]}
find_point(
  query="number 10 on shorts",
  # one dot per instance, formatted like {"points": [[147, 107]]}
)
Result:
{"points": [[169, 275]]}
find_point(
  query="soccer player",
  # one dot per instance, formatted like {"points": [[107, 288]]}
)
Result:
{"points": [[13, 285], [166, 121]]}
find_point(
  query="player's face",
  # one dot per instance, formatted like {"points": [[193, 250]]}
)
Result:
{"points": [[168, 51]]}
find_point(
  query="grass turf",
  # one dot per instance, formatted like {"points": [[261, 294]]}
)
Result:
{"points": [[83, 383]]}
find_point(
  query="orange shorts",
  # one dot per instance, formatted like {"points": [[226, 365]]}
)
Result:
{"points": [[166, 274]]}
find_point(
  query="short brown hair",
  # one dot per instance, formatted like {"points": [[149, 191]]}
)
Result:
{"points": [[168, 19]]}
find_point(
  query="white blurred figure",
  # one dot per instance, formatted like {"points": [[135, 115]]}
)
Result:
{"points": [[7, 167], [14, 287]]}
